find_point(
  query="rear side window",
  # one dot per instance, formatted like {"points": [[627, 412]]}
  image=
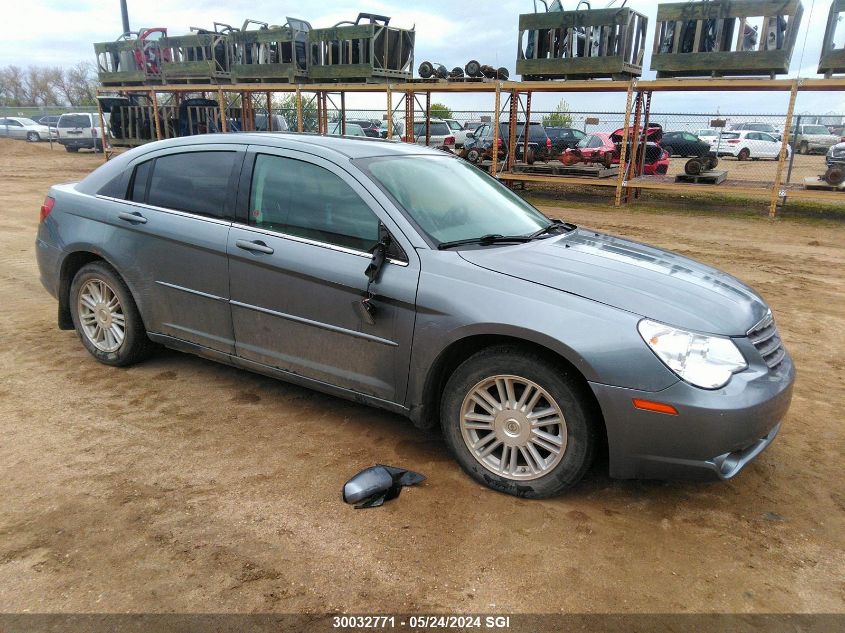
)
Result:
{"points": [[196, 182], [74, 120], [536, 133], [140, 180], [302, 199]]}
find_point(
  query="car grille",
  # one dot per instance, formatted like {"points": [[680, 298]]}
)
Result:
{"points": [[764, 336]]}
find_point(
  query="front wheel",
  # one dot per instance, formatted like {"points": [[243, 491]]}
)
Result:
{"points": [[106, 318], [517, 423], [33, 137]]}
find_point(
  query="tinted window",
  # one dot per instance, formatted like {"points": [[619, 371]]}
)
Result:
{"points": [[437, 129], [114, 188], [197, 182], [139, 181], [74, 120], [298, 198]]}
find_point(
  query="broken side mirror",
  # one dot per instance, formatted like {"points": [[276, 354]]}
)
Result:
{"points": [[373, 486]]}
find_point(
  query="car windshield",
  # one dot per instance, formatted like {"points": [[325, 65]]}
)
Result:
{"points": [[450, 200], [815, 129]]}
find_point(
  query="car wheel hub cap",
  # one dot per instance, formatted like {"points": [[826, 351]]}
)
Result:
{"points": [[101, 315], [513, 427]]}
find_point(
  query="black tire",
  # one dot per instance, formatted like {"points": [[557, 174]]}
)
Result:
{"points": [[694, 166], [68, 148], [529, 156], [835, 175], [669, 150], [712, 163], [744, 154], [33, 137], [135, 346], [581, 420], [473, 156]]}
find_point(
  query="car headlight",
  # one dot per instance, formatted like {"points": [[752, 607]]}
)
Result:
{"points": [[700, 359]]}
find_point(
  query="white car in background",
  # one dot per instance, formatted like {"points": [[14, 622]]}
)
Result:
{"points": [[352, 129], [440, 135], [458, 132], [21, 127], [747, 144]]}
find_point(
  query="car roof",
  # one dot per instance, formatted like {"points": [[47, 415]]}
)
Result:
{"points": [[350, 147]]}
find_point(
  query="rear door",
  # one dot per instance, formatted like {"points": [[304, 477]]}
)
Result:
{"points": [[297, 262], [770, 144], [173, 232]]}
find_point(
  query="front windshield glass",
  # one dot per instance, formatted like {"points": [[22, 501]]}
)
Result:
{"points": [[450, 200], [815, 129]]}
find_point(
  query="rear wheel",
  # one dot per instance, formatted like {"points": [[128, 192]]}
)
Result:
{"points": [[106, 318], [68, 148], [518, 424], [744, 154]]}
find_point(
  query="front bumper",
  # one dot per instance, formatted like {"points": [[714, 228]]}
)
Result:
{"points": [[715, 434]]}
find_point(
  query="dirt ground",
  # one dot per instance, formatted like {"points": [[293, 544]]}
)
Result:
{"points": [[183, 485]]}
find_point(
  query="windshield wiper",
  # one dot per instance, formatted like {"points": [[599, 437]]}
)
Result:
{"points": [[484, 240], [554, 224]]}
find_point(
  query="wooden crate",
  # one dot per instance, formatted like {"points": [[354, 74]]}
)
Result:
{"points": [[606, 43], [272, 53], [832, 60], [201, 56], [373, 52], [712, 39]]}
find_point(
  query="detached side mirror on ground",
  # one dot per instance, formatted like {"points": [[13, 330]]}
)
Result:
{"points": [[373, 486]]}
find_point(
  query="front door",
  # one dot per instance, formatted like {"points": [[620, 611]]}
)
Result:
{"points": [[297, 277]]}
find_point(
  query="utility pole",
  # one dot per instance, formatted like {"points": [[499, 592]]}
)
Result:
{"points": [[124, 16]]}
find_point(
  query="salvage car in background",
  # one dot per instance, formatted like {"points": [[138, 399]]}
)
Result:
{"points": [[605, 149], [808, 139], [479, 144], [439, 134], [684, 144], [405, 278], [564, 138], [79, 130], [748, 145], [23, 128]]}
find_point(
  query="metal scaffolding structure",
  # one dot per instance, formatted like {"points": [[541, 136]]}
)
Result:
{"points": [[510, 99]]}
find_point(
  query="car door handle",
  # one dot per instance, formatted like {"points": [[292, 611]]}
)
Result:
{"points": [[257, 246], [132, 217]]}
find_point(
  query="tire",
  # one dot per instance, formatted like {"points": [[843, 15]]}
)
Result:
{"points": [[473, 156], [529, 156], [694, 166], [549, 473], [835, 175], [68, 148], [712, 163], [607, 159], [804, 148], [33, 137], [744, 154], [134, 345], [669, 150]]}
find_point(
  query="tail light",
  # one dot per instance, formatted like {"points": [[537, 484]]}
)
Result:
{"points": [[46, 208], [449, 140], [733, 141], [404, 138], [94, 132], [500, 143], [549, 144]]}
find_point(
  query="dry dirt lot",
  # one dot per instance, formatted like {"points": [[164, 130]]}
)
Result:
{"points": [[183, 485]]}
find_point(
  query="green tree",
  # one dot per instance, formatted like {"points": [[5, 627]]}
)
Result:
{"points": [[309, 113], [559, 117], [440, 111]]}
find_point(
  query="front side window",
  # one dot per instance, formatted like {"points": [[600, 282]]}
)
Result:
{"points": [[196, 182], [305, 200], [449, 199]]}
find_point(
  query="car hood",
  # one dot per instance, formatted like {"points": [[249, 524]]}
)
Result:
{"points": [[631, 276]]}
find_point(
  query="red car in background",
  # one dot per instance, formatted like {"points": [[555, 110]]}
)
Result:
{"points": [[605, 149]]}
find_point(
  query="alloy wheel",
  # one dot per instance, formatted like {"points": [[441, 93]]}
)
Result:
{"points": [[513, 427], [101, 315]]}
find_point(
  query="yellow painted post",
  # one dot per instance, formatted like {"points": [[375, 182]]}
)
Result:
{"points": [[102, 130], [221, 100], [784, 144], [620, 180], [389, 94], [494, 168], [299, 123], [156, 118]]}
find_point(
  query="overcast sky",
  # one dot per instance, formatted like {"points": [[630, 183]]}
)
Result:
{"points": [[61, 32]]}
